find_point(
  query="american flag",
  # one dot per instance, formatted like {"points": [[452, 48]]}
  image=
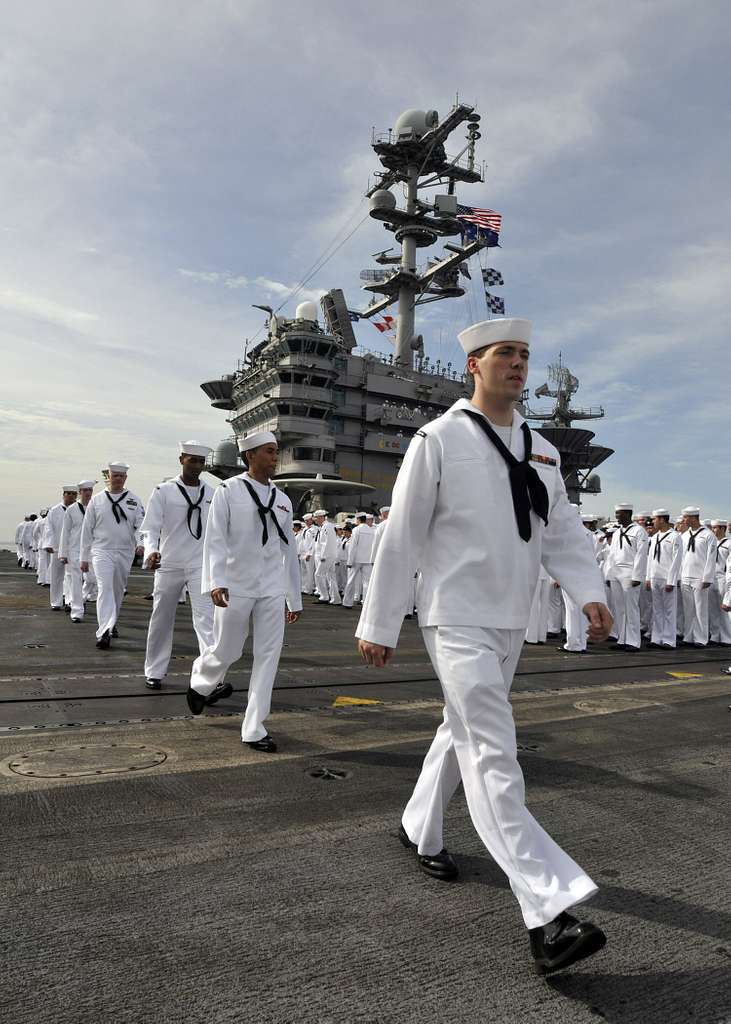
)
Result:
{"points": [[384, 324], [486, 219]]}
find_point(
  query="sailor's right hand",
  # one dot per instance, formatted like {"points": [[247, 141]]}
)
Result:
{"points": [[84, 566], [374, 654], [648, 585], [153, 560], [219, 596], [49, 550], [64, 560]]}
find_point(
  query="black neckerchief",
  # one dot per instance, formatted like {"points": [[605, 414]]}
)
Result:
{"points": [[527, 488], [81, 508], [264, 511], [116, 506], [692, 536], [624, 535], [659, 538], [193, 507]]}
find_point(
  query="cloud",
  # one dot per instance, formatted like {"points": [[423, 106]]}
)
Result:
{"points": [[40, 308]]}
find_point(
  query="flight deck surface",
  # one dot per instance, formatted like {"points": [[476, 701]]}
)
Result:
{"points": [[156, 869]]}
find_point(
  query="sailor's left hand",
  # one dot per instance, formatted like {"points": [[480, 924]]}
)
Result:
{"points": [[705, 586], [292, 617], [139, 551], [600, 621]]}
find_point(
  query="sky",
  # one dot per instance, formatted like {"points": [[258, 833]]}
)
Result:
{"points": [[164, 165]]}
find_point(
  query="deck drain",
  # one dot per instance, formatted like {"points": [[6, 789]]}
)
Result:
{"points": [[327, 774], [79, 760], [33, 647]]}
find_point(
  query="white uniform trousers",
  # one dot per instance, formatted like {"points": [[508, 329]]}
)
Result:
{"points": [[341, 575], [29, 556], [111, 568], [356, 586], [719, 620], [230, 630], [166, 592], [43, 563], [555, 609], [664, 607], [538, 618], [476, 743], [56, 572], [645, 611], [326, 583], [89, 586], [695, 611], [626, 602], [308, 575], [74, 587], [576, 625], [679, 616]]}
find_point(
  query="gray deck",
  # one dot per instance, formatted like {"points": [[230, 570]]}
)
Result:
{"points": [[156, 870]]}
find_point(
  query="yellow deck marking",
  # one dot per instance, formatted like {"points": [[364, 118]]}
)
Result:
{"points": [[349, 702], [685, 675]]}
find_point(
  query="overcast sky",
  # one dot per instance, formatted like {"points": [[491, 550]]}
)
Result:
{"points": [[164, 165]]}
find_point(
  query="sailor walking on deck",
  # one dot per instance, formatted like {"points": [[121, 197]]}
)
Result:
{"points": [[307, 553], [626, 567], [69, 551], [326, 549], [42, 557], [360, 561], [19, 540], [109, 539], [173, 530], [478, 504], [575, 618], [51, 541], [250, 567], [29, 555]]}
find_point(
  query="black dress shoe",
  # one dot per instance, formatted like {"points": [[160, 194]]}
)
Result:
{"points": [[103, 642], [153, 684], [115, 633], [55, 607], [222, 691], [266, 743], [439, 865], [196, 701], [73, 619], [563, 942]]}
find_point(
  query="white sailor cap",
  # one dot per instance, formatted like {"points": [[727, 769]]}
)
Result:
{"points": [[718, 522], [118, 467], [642, 515], [587, 517], [296, 522], [71, 488], [661, 512], [691, 510], [385, 508], [194, 448], [307, 515], [609, 527], [369, 515], [256, 440], [321, 512], [624, 506], [495, 332], [87, 483], [44, 511], [361, 515]]}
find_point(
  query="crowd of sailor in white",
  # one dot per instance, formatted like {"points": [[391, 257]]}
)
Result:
{"points": [[481, 521]]}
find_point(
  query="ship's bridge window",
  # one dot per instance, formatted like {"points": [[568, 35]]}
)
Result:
{"points": [[294, 344], [285, 377], [328, 455], [307, 454]]}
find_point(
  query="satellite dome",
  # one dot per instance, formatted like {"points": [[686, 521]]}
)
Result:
{"points": [[306, 311], [412, 124], [382, 199]]}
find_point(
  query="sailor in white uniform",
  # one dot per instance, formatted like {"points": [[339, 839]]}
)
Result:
{"points": [[662, 576], [69, 551], [478, 504], [42, 557], [51, 541], [307, 553], [697, 573], [719, 620], [537, 628], [29, 555], [110, 538], [626, 567], [341, 564], [379, 528], [326, 547], [173, 530], [575, 618], [250, 568], [681, 525], [19, 540], [360, 560]]}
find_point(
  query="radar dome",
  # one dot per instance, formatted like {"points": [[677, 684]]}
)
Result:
{"points": [[382, 199], [306, 311], [412, 124]]}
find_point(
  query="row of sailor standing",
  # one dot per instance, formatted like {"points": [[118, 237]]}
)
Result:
{"points": [[665, 582]]}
